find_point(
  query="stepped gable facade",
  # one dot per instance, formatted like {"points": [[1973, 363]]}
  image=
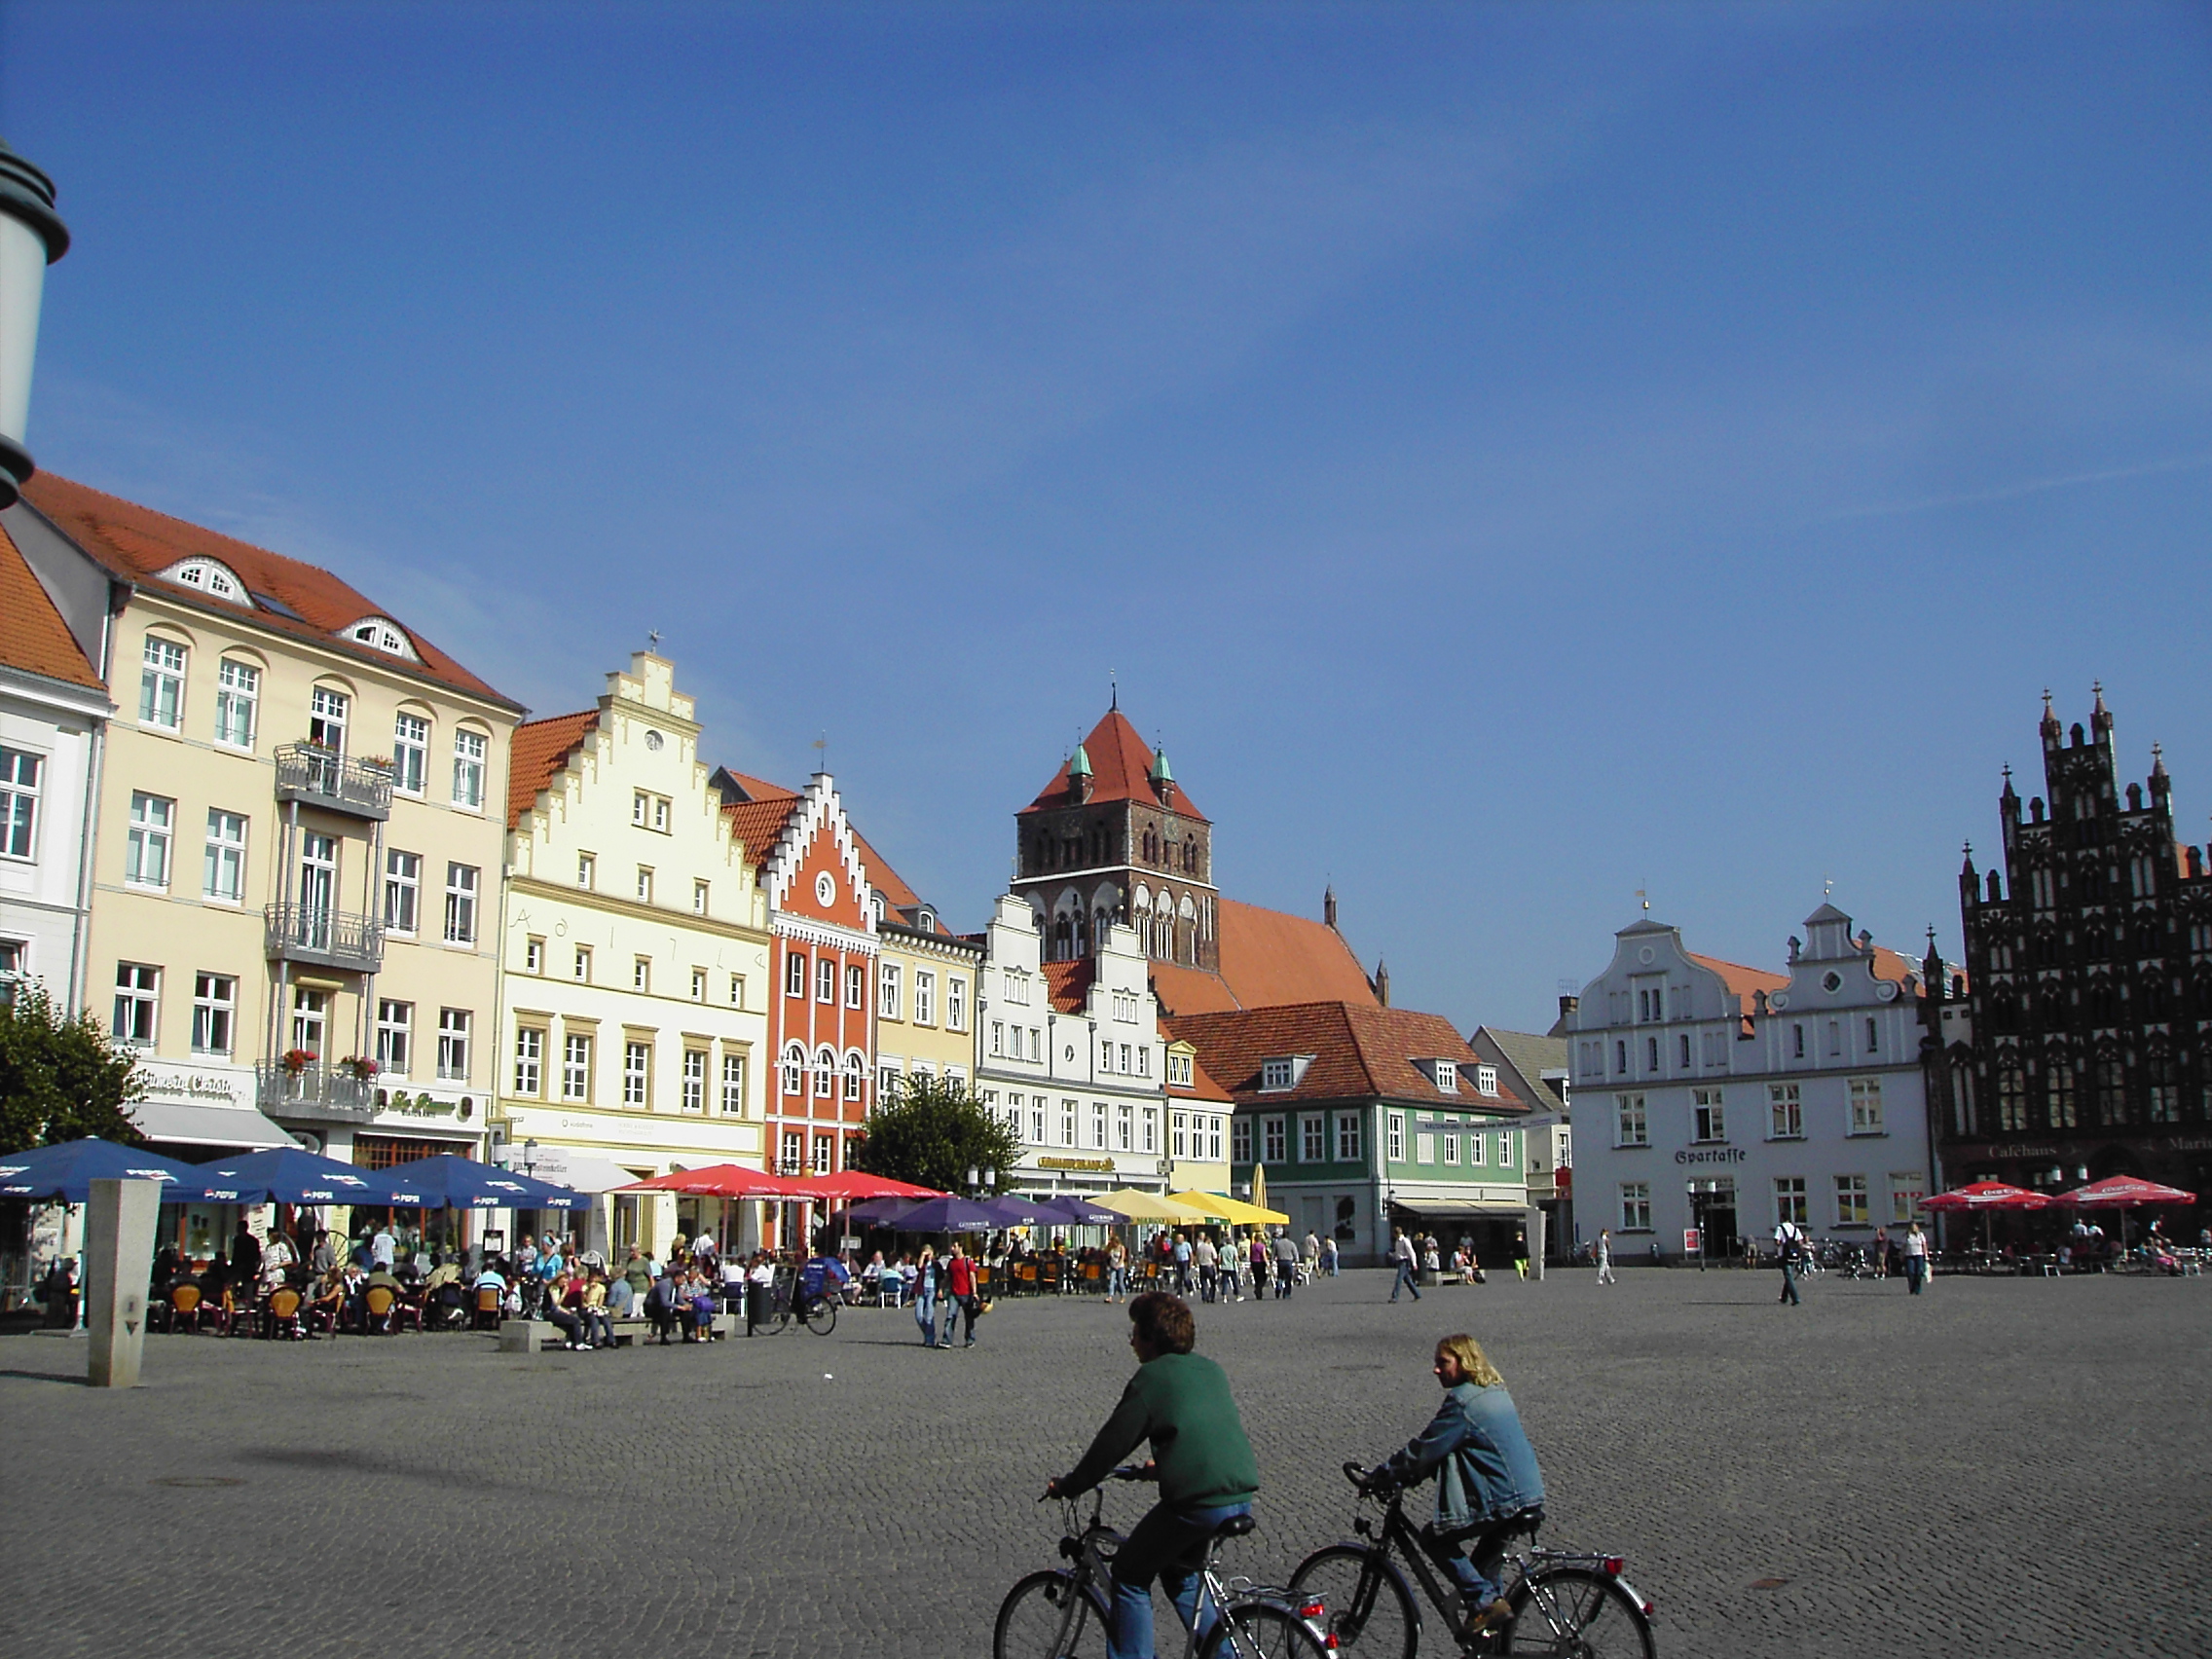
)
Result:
{"points": [[2089, 984]]}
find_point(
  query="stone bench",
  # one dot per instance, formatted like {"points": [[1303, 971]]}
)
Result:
{"points": [[518, 1335]]}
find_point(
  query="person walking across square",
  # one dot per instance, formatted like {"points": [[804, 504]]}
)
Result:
{"points": [[1402, 1251], [1789, 1243], [1605, 1256]]}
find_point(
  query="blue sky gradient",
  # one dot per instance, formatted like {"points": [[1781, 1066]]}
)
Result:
{"points": [[1513, 456]]}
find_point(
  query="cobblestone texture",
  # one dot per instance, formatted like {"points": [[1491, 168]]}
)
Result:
{"points": [[2005, 1465]]}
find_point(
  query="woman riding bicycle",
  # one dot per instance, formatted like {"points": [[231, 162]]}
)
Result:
{"points": [[1486, 1474]]}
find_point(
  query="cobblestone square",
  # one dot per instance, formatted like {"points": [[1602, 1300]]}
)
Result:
{"points": [[2001, 1465]]}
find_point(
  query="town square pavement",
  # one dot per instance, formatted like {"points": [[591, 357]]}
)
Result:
{"points": [[2001, 1465]]}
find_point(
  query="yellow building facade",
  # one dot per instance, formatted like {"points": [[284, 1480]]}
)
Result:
{"points": [[295, 862], [925, 1000], [633, 989]]}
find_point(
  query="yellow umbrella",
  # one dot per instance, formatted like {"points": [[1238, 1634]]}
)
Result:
{"points": [[1232, 1210], [1149, 1206], [1259, 1185]]}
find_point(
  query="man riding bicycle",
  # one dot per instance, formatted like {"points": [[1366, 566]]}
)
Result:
{"points": [[1486, 1474], [824, 1275], [1204, 1464]]}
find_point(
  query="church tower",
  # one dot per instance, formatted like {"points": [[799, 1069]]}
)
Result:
{"points": [[1114, 838]]}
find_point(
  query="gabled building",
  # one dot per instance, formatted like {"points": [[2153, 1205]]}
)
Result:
{"points": [[1533, 1065], [1715, 1096], [2083, 1051], [298, 836], [1363, 1118], [53, 713], [926, 986], [634, 1014]]}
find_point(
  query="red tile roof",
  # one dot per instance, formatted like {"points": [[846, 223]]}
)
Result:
{"points": [[1120, 766], [1891, 965], [33, 637], [1203, 1087], [542, 748], [1741, 981], [138, 544], [1269, 958], [757, 823], [1357, 1052], [1069, 982]]}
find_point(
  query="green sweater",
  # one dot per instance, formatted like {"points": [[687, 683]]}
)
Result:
{"points": [[1181, 1403]]}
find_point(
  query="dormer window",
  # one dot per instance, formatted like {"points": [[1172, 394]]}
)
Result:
{"points": [[1486, 1079], [382, 635], [1283, 1072], [1448, 1076], [212, 577], [1178, 1070]]}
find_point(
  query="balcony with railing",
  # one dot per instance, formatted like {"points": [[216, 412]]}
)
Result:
{"points": [[327, 938], [315, 776], [324, 1090]]}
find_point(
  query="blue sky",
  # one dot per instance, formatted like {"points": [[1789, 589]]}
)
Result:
{"points": [[1513, 456]]}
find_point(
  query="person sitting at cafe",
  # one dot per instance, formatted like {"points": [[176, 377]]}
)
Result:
{"points": [[557, 1312], [328, 1299], [598, 1324], [245, 1254], [661, 1306], [702, 1294]]}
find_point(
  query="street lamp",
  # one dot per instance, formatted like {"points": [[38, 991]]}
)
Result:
{"points": [[530, 1158], [31, 238]]}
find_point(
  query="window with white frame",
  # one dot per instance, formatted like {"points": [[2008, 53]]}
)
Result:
{"points": [[1636, 1206], [454, 1026], [329, 711], [582, 970], [1067, 1123], [410, 754], [223, 869], [1851, 1201], [825, 1072], [1099, 1125], [1276, 1076], [1708, 1118], [698, 984], [310, 1020], [887, 998], [642, 974], [1394, 1125], [1506, 1140], [955, 1003], [698, 898], [146, 851], [1105, 1056], [825, 980], [792, 1074], [1152, 1128], [1241, 1140], [529, 1060], [733, 1085], [1449, 1143], [794, 1151], [823, 1152], [1037, 1120], [1179, 1134], [1179, 1071], [138, 1003], [19, 802], [161, 685], [576, 1065], [694, 1080], [855, 1075], [856, 985], [998, 1039], [737, 991], [1213, 1137], [1313, 1138], [1786, 1112], [1347, 1137], [925, 997], [588, 870], [1866, 1105], [461, 903], [403, 891], [1486, 1079], [645, 884], [1907, 1186], [1425, 1140], [238, 702], [1275, 1138], [1448, 1077], [1478, 1147], [1126, 1127], [1790, 1204], [214, 1013], [395, 1037], [469, 749], [794, 974], [1630, 1127]]}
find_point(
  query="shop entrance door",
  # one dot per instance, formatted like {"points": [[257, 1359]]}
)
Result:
{"points": [[1713, 1205]]}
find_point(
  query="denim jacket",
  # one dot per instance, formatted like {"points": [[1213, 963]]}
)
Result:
{"points": [[1475, 1448]]}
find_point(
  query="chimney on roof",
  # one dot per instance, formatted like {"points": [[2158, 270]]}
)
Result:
{"points": [[1329, 906], [1568, 1003], [1381, 981]]}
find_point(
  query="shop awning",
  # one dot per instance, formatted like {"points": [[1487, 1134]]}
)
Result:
{"points": [[173, 1123], [1455, 1209], [583, 1172]]}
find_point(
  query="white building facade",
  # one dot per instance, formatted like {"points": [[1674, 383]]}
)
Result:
{"points": [[1073, 1058], [1695, 1111]]}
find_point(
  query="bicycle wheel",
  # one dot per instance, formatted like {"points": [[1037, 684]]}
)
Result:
{"points": [[821, 1317], [1262, 1630], [1370, 1611], [1047, 1616], [1573, 1613]]}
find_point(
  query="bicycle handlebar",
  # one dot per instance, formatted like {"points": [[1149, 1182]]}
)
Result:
{"points": [[1134, 1472]]}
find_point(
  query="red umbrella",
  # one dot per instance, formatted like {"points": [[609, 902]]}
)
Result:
{"points": [[1986, 1196], [854, 1184], [723, 1181], [2124, 1192]]}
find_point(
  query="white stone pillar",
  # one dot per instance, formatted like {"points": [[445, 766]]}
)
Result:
{"points": [[119, 1227], [1537, 1242]]}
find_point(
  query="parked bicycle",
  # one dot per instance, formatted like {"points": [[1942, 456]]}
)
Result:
{"points": [[1060, 1612], [1566, 1605]]}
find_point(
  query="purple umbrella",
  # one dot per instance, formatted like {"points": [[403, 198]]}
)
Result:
{"points": [[947, 1215]]}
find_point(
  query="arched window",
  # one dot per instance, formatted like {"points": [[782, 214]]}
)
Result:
{"points": [[794, 1069], [825, 1072], [1063, 936], [856, 1073]]}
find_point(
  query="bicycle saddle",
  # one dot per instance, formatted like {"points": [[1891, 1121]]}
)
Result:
{"points": [[1235, 1527]]}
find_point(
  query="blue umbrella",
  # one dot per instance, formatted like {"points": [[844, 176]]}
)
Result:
{"points": [[949, 1215], [1081, 1213], [67, 1171], [1016, 1211], [288, 1175], [883, 1212], [447, 1182]]}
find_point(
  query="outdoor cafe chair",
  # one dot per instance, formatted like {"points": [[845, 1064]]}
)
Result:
{"points": [[889, 1290], [1025, 1277], [376, 1304], [487, 1309], [281, 1314], [1094, 1276], [184, 1304], [408, 1308]]}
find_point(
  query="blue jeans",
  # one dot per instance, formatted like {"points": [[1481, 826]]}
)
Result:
{"points": [[925, 1315], [1404, 1280], [1170, 1545], [1471, 1569], [1117, 1281], [1789, 1279]]}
